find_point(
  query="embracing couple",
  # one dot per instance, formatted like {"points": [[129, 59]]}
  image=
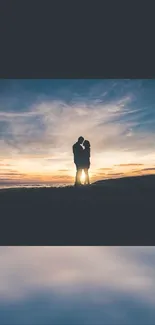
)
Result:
{"points": [[81, 152]]}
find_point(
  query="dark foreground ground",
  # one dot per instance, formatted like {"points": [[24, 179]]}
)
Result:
{"points": [[112, 212]]}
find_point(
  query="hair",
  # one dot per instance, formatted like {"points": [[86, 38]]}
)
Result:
{"points": [[86, 144], [80, 139]]}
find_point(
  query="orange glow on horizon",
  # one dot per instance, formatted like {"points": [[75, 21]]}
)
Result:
{"points": [[34, 170]]}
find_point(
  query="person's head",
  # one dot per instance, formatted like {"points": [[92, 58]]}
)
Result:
{"points": [[86, 144], [80, 140]]}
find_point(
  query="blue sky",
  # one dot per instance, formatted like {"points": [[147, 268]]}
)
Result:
{"points": [[41, 119], [77, 285]]}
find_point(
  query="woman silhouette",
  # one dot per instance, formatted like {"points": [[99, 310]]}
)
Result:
{"points": [[86, 160]]}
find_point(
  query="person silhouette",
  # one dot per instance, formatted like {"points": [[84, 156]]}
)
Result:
{"points": [[78, 159], [86, 160]]}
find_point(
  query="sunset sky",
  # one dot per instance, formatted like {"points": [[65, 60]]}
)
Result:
{"points": [[77, 285], [40, 120]]}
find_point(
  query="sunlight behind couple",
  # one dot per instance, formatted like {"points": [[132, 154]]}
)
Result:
{"points": [[83, 177]]}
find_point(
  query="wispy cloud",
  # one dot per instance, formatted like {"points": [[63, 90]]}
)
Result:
{"points": [[128, 165], [148, 169]]}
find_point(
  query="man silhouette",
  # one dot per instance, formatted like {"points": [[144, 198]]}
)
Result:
{"points": [[77, 152]]}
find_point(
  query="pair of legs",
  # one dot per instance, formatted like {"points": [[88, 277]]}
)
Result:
{"points": [[78, 175], [86, 176]]}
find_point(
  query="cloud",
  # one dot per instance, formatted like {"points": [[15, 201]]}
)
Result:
{"points": [[128, 165], [5, 165], [148, 169], [115, 174], [46, 124], [107, 175], [100, 169], [70, 285], [67, 270], [11, 172]]}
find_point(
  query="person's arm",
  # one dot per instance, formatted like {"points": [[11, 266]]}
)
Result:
{"points": [[75, 150], [75, 153]]}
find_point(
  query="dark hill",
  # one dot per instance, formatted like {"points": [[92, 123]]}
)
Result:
{"points": [[112, 212]]}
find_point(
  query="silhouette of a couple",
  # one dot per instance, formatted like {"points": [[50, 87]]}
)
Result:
{"points": [[81, 152]]}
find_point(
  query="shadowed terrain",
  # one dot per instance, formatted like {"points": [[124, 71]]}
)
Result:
{"points": [[107, 212]]}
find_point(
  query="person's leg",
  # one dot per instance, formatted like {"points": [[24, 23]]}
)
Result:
{"points": [[86, 176], [85, 172], [78, 175]]}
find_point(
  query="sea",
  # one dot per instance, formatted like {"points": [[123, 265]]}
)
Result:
{"points": [[14, 186]]}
